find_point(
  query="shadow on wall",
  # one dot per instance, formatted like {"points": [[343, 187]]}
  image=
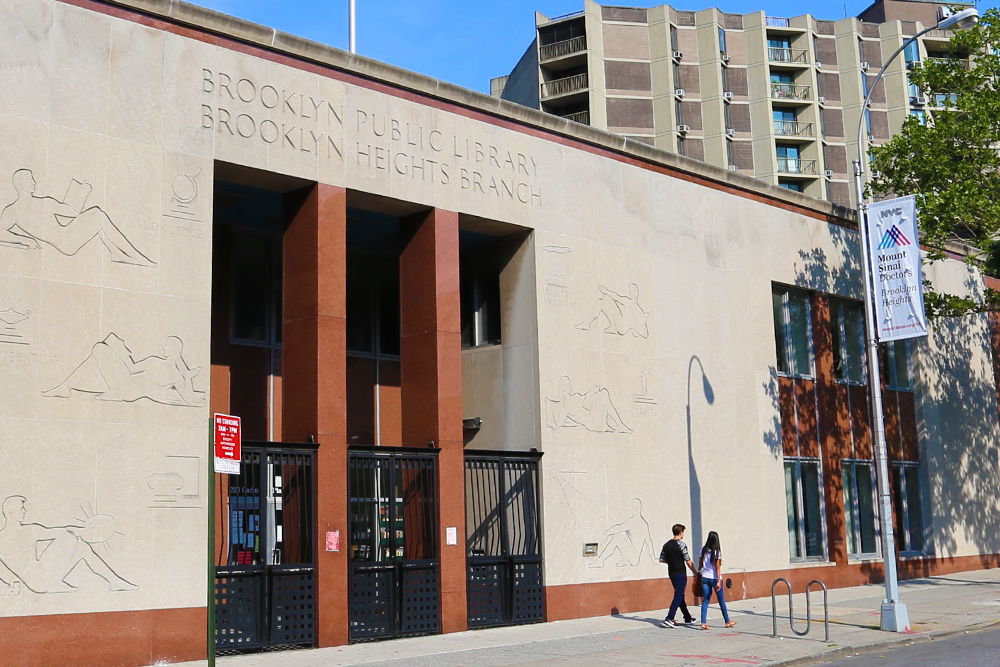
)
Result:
{"points": [[694, 484], [958, 421]]}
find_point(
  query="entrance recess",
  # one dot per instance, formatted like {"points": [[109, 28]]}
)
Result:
{"points": [[265, 587], [502, 509], [395, 586]]}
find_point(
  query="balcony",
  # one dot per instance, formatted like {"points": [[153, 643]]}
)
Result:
{"points": [[961, 62], [562, 49], [570, 84], [792, 92], [793, 128], [582, 117], [783, 55], [795, 166]]}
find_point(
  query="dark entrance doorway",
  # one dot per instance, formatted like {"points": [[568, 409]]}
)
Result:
{"points": [[503, 537], [265, 583], [394, 578]]}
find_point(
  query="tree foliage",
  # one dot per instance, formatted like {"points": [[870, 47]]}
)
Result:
{"points": [[951, 161]]}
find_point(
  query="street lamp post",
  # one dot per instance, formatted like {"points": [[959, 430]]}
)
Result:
{"points": [[894, 615]]}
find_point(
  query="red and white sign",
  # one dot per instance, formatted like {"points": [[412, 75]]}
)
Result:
{"points": [[333, 540], [228, 444]]}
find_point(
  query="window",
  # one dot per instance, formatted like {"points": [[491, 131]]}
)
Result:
{"points": [[859, 508], [912, 53], [847, 329], [779, 49], [792, 331], [677, 75], [722, 41], [895, 369], [679, 112], [680, 145], [480, 287], [914, 91], [673, 38], [803, 491], [788, 159], [907, 507], [728, 116], [372, 304], [725, 79], [795, 186], [255, 292], [920, 115], [729, 152], [784, 122]]}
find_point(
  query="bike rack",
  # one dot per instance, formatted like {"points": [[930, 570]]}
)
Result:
{"points": [[791, 614]]}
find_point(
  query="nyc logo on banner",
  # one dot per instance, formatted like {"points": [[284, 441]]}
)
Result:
{"points": [[894, 257]]}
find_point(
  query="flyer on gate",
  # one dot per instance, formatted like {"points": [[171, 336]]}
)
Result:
{"points": [[894, 258]]}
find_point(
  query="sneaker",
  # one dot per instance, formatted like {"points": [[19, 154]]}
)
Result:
{"points": [[690, 621], [667, 623]]}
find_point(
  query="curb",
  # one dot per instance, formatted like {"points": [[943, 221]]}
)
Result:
{"points": [[845, 651]]}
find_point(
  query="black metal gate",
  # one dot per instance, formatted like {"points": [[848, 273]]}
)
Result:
{"points": [[265, 583], [502, 510], [392, 507]]}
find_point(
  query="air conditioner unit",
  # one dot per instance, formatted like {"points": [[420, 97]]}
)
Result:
{"points": [[819, 65], [864, 66], [725, 57], [679, 92], [871, 138], [921, 100], [828, 173], [730, 132], [678, 55], [733, 167], [728, 95], [683, 129], [822, 100]]}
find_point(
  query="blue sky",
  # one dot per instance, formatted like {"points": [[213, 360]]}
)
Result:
{"points": [[466, 42]]}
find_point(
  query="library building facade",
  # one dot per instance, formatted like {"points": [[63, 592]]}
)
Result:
{"points": [[483, 357]]}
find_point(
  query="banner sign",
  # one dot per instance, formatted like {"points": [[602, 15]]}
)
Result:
{"points": [[894, 257], [228, 444]]}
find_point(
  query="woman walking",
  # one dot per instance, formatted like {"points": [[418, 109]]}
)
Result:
{"points": [[710, 569]]}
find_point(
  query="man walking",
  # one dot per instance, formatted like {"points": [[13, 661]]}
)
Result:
{"points": [[676, 555]]}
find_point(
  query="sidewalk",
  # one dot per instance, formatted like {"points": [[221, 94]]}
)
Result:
{"points": [[937, 606]]}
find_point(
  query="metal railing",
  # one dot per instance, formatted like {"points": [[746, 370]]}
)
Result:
{"points": [[961, 62], [793, 128], [791, 614], [789, 165], [562, 86], [582, 117], [776, 22], [789, 91], [563, 48], [781, 54]]}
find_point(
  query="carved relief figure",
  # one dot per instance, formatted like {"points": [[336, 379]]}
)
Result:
{"points": [[593, 410], [111, 373], [65, 225], [40, 558], [8, 331], [630, 539], [622, 313]]}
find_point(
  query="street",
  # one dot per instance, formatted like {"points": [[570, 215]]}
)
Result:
{"points": [[974, 649]]}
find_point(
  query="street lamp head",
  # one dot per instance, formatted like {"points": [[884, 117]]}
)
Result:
{"points": [[962, 20]]}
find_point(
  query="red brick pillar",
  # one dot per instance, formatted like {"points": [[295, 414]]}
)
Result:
{"points": [[431, 347], [314, 338]]}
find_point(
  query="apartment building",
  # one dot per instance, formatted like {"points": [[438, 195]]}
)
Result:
{"points": [[772, 97]]}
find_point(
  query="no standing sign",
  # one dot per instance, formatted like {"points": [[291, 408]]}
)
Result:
{"points": [[228, 444]]}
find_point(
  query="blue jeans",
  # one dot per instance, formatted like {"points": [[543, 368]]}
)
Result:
{"points": [[707, 586], [680, 585]]}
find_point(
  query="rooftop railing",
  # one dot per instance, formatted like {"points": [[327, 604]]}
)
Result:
{"points": [[562, 49], [793, 128], [788, 165], [562, 86], [789, 91], [786, 55]]}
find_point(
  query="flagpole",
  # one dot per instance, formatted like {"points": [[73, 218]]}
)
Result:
{"points": [[351, 14]]}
